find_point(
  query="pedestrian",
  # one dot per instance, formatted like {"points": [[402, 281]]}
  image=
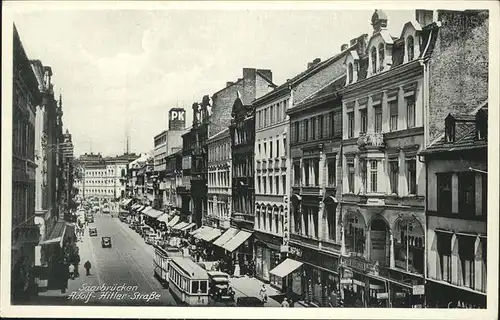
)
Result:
{"points": [[87, 267], [71, 269], [77, 264], [263, 293], [285, 303]]}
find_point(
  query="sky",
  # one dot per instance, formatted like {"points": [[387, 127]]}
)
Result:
{"points": [[122, 70]]}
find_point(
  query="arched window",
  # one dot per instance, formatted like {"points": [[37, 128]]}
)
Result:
{"points": [[381, 55], [410, 48], [374, 60], [350, 72]]}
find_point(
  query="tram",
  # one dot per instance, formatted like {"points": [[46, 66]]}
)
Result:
{"points": [[161, 260], [188, 282]]}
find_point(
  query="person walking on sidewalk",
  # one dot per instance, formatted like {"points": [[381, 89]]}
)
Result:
{"points": [[77, 264], [285, 303], [87, 267], [263, 293]]}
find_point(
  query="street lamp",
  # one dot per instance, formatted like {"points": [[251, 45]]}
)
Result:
{"points": [[478, 170]]}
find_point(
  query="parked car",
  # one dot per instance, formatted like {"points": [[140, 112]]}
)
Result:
{"points": [[93, 231], [153, 238], [220, 290], [106, 242]]}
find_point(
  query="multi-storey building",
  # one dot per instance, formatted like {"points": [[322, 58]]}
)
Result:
{"points": [[66, 148], [25, 234], [184, 189], [165, 144], [173, 180], [457, 197], [219, 180], [383, 219], [132, 170]]}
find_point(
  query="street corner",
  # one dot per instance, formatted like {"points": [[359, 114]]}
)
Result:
{"points": [[114, 294]]}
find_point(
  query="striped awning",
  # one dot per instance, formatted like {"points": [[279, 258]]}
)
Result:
{"points": [[172, 222], [189, 226], [180, 225]]}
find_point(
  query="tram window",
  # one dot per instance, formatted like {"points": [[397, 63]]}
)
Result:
{"points": [[195, 286], [203, 287]]}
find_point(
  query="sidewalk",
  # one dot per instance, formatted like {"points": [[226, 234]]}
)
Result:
{"points": [[86, 253], [250, 287]]}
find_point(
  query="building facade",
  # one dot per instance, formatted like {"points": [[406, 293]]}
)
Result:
{"points": [[25, 234], [219, 180], [173, 180], [383, 218], [457, 197]]}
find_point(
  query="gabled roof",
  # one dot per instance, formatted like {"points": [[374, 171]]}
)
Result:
{"points": [[386, 36], [412, 23], [353, 53]]}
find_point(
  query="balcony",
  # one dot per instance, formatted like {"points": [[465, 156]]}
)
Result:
{"points": [[310, 191], [371, 140]]}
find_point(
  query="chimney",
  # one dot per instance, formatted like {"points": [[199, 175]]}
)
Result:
{"points": [[266, 73], [424, 17], [229, 83], [344, 47], [248, 73]]}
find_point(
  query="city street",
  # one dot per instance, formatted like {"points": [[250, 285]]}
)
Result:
{"points": [[128, 262]]}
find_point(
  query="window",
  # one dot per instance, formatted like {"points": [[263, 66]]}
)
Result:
{"points": [[332, 124], [264, 187], [409, 48], [350, 176], [373, 176], [265, 150], [337, 123], [271, 113], [411, 175], [350, 124], [195, 286], [381, 56], [306, 173], [394, 175], [258, 185], [316, 172], [296, 174], [393, 110], [277, 179], [410, 109], [331, 172], [270, 149], [350, 72], [283, 183], [315, 215], [271, 184], [321, 122], [484, 195], [484, 264], [260, 151], [297, 131], [444, 198], [277, 147], [364, 174], [313, 128], [374, 60], [467, 193], [284, 146], [330, 209], [364, 120], [378, 118], [444, 253], [466, 253], [306, 130]]}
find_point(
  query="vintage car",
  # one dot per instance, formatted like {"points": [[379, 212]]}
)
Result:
{"points": [[220, 290], [106, 242], [93, 231]]}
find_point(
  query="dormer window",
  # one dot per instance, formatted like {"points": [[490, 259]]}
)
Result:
{"points": [[374, 60], [410, 48], [381, 56], [350, 72], [481, 125], [450, 129]]}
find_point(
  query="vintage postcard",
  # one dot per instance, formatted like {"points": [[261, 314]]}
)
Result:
{"points": [[195, 158]]}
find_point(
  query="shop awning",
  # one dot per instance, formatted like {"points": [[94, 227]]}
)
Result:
{"points": [[139, 208], [126, 202], [180, 225], [189, 226], [163, 218], [225, 237], [285, 268], [145, 209], [197, 231], [134, 206], [211, 234], [57, 234], [153, 213], [237, 240], [172, 222]]}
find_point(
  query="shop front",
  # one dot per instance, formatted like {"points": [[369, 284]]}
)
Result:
{"points": [[267, 257], [316, 282], [240, 247], [440, 294]]}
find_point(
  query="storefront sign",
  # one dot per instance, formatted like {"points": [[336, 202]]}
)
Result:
{"points": [[296, 251], [345, 281], [26, 234], [418, 289], [357, 264], [382, 295], [286, 231]]}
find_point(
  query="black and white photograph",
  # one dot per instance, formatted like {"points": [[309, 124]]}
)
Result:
{"points": [[269, 156]]}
